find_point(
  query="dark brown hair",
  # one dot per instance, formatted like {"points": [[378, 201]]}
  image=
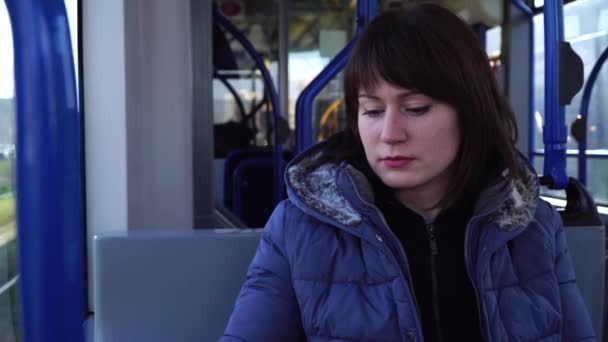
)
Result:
{"points": [[430, 49]]}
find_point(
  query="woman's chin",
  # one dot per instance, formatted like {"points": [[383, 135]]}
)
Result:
{"points": [[401, 183]]}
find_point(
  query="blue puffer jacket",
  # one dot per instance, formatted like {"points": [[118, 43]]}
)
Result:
{"points": [[329, 269]]}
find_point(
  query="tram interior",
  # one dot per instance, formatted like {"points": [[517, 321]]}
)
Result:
{"points": [[168, 254]]}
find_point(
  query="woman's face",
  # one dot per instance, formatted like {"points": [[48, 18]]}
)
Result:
{"points": [[410, 140]]}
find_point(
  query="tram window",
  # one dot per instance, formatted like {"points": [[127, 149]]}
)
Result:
{"points": [[597, 179], [240, 109], [493, 41], [9, 315], [314, 42], [304, 66], [603, 21], [71, 7], [586, 28], [316, 33]]}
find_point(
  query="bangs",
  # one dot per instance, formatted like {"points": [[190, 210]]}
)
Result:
{"points": [[405, 57]]}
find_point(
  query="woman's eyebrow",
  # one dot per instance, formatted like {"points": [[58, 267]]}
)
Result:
{"points": [[408, 93], [403, 94], [368, 96]]}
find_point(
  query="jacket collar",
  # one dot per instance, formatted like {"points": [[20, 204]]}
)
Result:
{"points": [[342, 193], [319, 190]]}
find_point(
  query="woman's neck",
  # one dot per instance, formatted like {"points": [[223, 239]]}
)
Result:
{"points": [[423, 199], [422, 204]]}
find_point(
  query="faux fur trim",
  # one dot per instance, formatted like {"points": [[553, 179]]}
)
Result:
{"points": [[519, 207], [318, 189]]}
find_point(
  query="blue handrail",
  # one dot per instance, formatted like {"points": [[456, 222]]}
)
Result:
{"points": [[306, 98], [582, 145], [555, 131], [277, 154], [366, 10], [49, 167], [530, 15]]}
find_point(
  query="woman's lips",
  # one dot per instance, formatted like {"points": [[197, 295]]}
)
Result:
{"points": [[395, 162]]}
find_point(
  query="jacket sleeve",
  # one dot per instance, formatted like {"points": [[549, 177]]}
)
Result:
{"points": [[576, 323], [266, 309]]}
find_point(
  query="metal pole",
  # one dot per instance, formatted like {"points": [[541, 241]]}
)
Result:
{"points": [[50, 194], [555, 131]]}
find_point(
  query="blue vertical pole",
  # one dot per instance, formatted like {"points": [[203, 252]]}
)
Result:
{"points": [[307, 97], [555, 131], [48, 174]]}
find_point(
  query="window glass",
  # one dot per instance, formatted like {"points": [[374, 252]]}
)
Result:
{"points": [[588, 39], [597, 178], [603, 21], [9, 315], [585, 27], [241, 107], [71, 7], [310, 53], [493, 41], [317, 31]]}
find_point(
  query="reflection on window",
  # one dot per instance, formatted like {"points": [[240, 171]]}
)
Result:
{"points": [[9, 316], [586, 28]]}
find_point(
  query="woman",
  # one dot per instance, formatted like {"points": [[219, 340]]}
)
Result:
{"points": [[422, 222]]}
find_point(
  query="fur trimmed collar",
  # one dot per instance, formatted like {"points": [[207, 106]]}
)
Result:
{"points": [[319, 190], [512, 205], [519, 206]]}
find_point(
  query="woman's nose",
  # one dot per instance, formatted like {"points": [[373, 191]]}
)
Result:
{"points": [[393, 130]]}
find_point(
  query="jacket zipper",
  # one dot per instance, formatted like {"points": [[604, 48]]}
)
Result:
{"points": [[434, 281], [466, 266], [401, 249]]}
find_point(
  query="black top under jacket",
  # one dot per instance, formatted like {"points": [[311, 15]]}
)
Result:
{"points": [[435, 252]]}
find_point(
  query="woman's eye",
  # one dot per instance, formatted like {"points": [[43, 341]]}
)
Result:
{"points": [[416, 110], [372, 112]]}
